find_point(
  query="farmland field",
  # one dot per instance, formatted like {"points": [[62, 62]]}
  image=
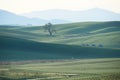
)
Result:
{"points": [[72, 69]]}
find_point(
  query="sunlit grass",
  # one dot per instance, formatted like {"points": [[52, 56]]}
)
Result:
{"points": [[85, 69]]}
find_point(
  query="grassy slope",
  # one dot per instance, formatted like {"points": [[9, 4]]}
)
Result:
{"points": [[26, 42], [18, 43], [83, 69], [20, 49], [75, 66], [68, 33], [106, 33]]}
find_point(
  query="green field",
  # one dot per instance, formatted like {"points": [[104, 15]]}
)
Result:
{"points": [[105, 33], [73, 53], [74, 69], [21, 49], [74, 40]]}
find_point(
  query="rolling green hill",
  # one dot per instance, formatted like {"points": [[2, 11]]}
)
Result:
{"points": [[20, 49], [105, 33], [74, 40]]}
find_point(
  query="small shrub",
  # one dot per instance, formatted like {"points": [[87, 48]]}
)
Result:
{"points": [[100, 45], [93, 45]]}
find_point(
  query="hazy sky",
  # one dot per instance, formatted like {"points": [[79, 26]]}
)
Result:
{"points": [[23, 6]]}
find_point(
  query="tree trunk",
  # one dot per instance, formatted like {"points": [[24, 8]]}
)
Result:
{"points": [[50, 33]]}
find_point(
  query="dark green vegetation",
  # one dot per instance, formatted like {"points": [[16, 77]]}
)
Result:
{"points": [[49, 28], [84, 69], [20, 49]]}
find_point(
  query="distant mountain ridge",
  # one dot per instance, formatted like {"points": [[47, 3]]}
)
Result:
{"points": [[57, 16], [8, 18], [95, 14]]}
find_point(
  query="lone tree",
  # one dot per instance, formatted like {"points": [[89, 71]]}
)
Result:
{"points": [[49, 27]]}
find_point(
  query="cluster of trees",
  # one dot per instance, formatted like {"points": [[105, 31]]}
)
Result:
{"points": [[93, 45]]}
